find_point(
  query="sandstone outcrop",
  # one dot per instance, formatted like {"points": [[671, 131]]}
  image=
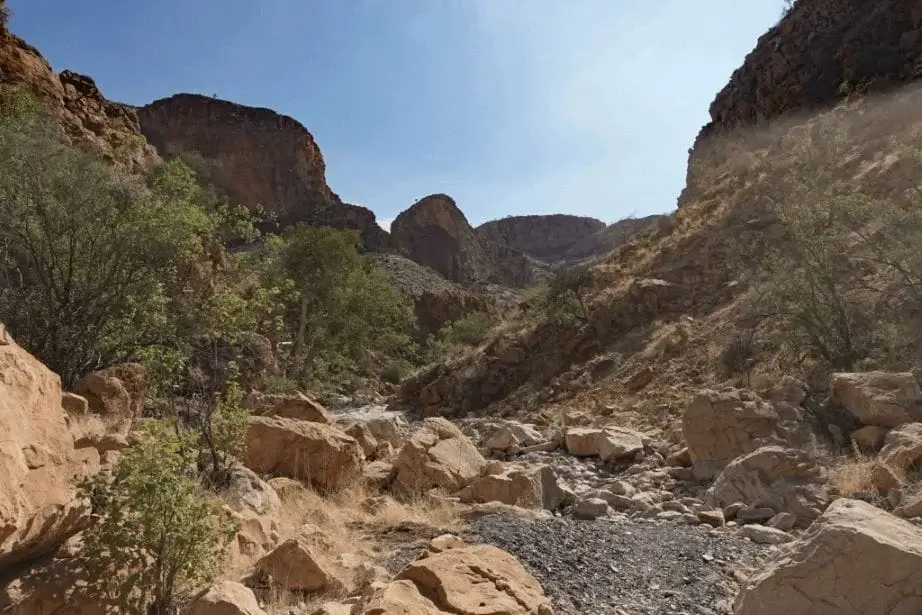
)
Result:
{"points": [[437, 456], [39, 508], [854, 560], [86, 117], [322, 455], [256, 157], [435, 233]]}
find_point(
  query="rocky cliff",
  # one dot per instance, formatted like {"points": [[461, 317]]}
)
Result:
{"points": [[75, 101], [256, 157], [545, 238], [435, 233]]}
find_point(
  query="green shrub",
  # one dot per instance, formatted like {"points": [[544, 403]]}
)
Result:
{"points": [[155, 536]]}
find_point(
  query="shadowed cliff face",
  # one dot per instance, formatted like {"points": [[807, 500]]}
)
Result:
{"points": [[435, 233], [86, 117], [257, 157], [546, 238]]}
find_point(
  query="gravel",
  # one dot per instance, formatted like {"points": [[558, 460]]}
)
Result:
{"points": [[639, 567]]}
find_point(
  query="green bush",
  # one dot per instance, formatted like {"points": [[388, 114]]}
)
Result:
{"points": [[155, 535]]}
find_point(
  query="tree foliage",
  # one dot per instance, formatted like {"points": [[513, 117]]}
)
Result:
{"points": [[156, 535]]}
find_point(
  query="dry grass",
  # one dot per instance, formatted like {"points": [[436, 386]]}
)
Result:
{"points": [[860, 474]]}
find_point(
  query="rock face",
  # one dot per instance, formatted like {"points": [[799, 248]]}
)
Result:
{"points": [[609, 238], [855, 559], [782, 479], [435, 233], [85, 115], [545, 238], [256, 157], [38, 463]]}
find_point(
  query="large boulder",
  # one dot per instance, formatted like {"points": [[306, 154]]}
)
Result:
{"points": [[116, 393], [609, 443], [39, 508], [884, 399], [533, 487], [854, 560], [719, 426], [903, 447], [226, 598], [437, 456], [512, 435], [298, 563], [461, 579], [298, 406], [782, 479], [322, 455]]}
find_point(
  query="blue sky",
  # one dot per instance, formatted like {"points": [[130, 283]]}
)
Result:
{"points": [[511, 106]]}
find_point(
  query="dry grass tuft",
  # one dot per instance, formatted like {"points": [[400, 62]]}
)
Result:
{"points": [[860, 474]]}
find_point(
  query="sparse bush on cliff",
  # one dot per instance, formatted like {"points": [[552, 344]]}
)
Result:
{"points": [[155, 535]]}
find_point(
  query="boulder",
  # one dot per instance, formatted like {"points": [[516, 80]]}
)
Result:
{"points": [[226, 598], [116, 393], [363, 436], [884, 399], [854, 560], [322, 455], [298, 406], [533, 487], [609, 443], [870, 438], [75, 405], [469, 580], [903, 447], [296, 565], [437, 456], [39, 508], [764, 535], [782, 479], [720, 426], [590, 508], [247, 492], [513, 435], [388, 428]]}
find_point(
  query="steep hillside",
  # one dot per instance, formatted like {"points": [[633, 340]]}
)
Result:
{"points": [[85, 115], [435, 233], [666, 308], [257, 157], [609, 238]]}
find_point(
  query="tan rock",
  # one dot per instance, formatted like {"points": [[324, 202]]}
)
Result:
{"points": [[878, 398], [532, 487], [226, 598], [903, 446], [116, 393], [363, 436], [322, 455], [475, 580], [513, 434], [784, 480], [300, 407], [437, 456], [39, 508], [911, 508], [333, 608], [377, 474], [870, 438], [295, 565], [609, 443], [387, 429], [854, 560], [764, 535], [398, 598], [74, 404], [720, 426], [246, 491]]}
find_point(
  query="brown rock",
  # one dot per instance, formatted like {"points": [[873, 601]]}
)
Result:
{"points": [[362, 435], [776, 478], [322, 455], [256, 156], [298, 406], [474, 580], [854, 559], [903, 446], [226, 598], [437, 456], [534, 487], [39, 508], [435, 233], [117, 393], [720, 426], [295, 565], [878, 398], [74, 404], [545, 238], [870, 437], [610, 443]]}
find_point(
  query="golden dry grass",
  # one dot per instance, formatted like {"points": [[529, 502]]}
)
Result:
{"points": [[859, 473]]}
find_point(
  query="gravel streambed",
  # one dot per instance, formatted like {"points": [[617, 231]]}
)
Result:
{"points": [[618, 566]]}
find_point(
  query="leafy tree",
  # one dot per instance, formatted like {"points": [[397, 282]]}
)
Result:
{"points": [[155, 535], [87, 255], [567, 293]]}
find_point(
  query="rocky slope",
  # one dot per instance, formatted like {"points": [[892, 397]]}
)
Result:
{"points": [[434, 232], [257, 157], [75, 101]]}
